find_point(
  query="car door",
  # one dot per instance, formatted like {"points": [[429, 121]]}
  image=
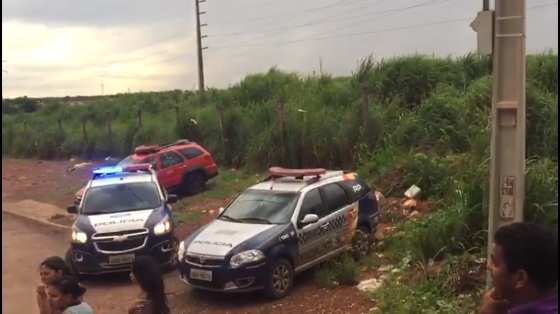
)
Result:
{"points": [[339, 217], [309, 236], [170, 173]]}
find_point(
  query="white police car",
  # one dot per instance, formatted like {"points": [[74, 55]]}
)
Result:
{"points": [[284, 225], [124, 213]]}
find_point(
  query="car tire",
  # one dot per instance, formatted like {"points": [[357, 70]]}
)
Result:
{"points": [[280, 279], [194, 183], [361, 243], [72, 267], [173, 262]]}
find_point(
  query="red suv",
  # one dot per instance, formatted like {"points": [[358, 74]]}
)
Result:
{"points": [[183, 165]]}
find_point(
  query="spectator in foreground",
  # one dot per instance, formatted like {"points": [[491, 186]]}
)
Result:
{"points": [[524, 270], [52, 267], [152, 300], [65, 296]]}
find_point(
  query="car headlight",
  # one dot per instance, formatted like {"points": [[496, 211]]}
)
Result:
{"points": [[246, 257], [78, 236], [181, 251], [163, 226]]}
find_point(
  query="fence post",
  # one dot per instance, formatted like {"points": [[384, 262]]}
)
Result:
{"points": [[220, 109], [109, 128], [139, 118], [84, 130], [282, 125]]}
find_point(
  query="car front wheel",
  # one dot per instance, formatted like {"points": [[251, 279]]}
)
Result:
{"points": [[280, 280]]}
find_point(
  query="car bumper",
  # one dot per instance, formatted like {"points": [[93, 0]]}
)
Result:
{"points": [[87, 260], [226, 279], [211, 172]]}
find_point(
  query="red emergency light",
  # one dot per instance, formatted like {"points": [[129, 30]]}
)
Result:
{"points": [[278, 172]]}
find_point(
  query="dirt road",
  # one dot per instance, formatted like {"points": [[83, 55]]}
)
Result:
{"points": [[25, 245]]}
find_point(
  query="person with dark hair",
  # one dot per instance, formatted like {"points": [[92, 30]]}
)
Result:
{"points": [[52, 267], [146, 272], [524, 271], [65, 296]]}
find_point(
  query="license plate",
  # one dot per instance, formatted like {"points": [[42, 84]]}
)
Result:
{"points": [[121, 259], [199, 274]]}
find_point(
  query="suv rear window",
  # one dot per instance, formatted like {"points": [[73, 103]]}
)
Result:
{"points": [[170, 159], [190, 152]]}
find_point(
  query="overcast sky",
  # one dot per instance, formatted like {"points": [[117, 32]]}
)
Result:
{"points": [[74, 47]]}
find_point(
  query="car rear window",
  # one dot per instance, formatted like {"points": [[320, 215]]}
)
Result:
{"points": [[190, 152]]}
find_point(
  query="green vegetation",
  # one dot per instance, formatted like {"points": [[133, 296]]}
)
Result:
{"points": [[340, 271], [410, 120], [189, 217]]}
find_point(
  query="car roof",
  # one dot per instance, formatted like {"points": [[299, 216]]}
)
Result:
{"points": [[166, 149], [121, 178], [290, 184]]}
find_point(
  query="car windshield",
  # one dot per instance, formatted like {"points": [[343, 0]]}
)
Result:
{"points": [[255, 206], [121, 197]]}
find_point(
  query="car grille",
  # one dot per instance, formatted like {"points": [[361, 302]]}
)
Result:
{"points": [[204, 261], [119, 233], [120, 242], [126, 245], [206, 284]]}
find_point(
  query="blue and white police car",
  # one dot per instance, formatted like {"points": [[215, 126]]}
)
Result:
{"points": [[124, 213], [293, 220]]}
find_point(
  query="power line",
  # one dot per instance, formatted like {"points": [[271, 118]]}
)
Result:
{"points": [[275, 44], [309, 10], [369, 33], [332, 18], [382, 13], [348, 34]]}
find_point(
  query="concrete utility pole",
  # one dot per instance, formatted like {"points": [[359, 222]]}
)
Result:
{"points": [[3, 71], [199, 45], [507, 168]]}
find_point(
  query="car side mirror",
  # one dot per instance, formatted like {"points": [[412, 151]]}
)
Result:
{"points": [[72, 209], [309, 219], [220, 210], [172, 198]]}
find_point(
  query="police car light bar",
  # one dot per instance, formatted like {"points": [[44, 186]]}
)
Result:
{"points": [[104, 171], [107, 170], [276, 172]]}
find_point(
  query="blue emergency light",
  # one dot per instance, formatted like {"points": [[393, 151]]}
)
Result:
{"points": [[107, 170]]}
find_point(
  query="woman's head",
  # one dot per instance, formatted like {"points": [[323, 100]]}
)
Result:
{"points": [[52, 267], [64, 291], [147, 273]]}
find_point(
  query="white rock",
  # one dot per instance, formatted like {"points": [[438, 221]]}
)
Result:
{"points": [[385, 268], [412, 191], [369, 285]]}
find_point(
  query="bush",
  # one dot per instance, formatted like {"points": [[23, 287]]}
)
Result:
{"points": [[541, 198], [428, 295], [344, 270]]}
